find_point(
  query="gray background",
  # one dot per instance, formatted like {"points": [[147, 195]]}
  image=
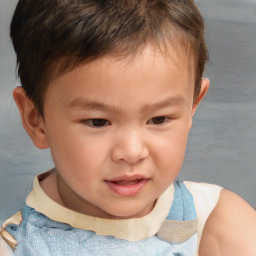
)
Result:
{"points": [[222, 143]]}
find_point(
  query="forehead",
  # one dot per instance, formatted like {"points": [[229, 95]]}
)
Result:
{"points": [[110, 77], [170, 49]]}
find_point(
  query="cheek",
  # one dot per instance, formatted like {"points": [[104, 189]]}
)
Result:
{"points": [[170, 151], [80, 159], [73, 151], [173, 155]]}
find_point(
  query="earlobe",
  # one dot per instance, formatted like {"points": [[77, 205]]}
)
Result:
{"points": [[32, 121]]}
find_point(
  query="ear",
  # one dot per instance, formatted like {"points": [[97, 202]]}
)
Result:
{"points": [[32, 121], [205, 84]]}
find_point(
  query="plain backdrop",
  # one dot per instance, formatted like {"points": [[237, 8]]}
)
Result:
{"points": [[222, 144]]}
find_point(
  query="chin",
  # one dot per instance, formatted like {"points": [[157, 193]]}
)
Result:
{"points": [[127, 213]]}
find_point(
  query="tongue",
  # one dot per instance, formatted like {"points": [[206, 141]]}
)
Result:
{"points": [[126, 182]]}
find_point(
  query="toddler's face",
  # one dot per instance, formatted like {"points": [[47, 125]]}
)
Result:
{"points": [[117, 130]]}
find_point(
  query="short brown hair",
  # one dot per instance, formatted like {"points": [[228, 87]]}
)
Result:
{"points": [[72, 31]]}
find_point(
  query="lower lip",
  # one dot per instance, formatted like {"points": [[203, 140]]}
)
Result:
{"points": [[128, 190]]}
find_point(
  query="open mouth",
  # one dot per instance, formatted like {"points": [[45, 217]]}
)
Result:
{"points": [[127, 182], [127, 186]]}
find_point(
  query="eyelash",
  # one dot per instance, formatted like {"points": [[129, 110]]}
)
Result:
{"points": [[101, 121], [163, 120], [158, 120]]}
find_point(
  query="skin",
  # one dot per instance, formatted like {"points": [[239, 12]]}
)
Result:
{"points": [[230, 230], [129, 94], [108, 120]]}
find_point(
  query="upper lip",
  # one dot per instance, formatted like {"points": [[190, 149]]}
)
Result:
{"points": [[128, 178]]}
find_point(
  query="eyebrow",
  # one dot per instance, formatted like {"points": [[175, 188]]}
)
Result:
{"points": [[87, 104], [83, 103], [169, 102]]}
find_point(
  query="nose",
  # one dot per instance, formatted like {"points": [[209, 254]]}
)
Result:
{"points": [[130, 147]]}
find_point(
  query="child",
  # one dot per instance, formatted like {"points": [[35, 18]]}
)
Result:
{"points": [[111, 87]]}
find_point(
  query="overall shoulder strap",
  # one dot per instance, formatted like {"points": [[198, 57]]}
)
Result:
{"points": [[13, 220], [181, 222], [183, 208]]}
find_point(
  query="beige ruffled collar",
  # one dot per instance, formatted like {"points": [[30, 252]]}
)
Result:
{"points": [[130, 229]]}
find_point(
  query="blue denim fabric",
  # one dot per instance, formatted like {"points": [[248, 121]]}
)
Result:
{"points": [[37, 235], [183, 207]]}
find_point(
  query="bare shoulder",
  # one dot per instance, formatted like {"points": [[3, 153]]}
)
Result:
{"points": [[230, 230]]}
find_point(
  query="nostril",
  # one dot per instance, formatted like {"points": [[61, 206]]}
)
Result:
{"points": [[130, 148], [132, 158]]}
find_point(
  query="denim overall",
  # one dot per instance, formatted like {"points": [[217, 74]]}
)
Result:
{"points": [[37, 235]]}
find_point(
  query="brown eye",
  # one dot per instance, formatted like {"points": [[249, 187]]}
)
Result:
{"points": [[97, 122], [158, 120]]}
